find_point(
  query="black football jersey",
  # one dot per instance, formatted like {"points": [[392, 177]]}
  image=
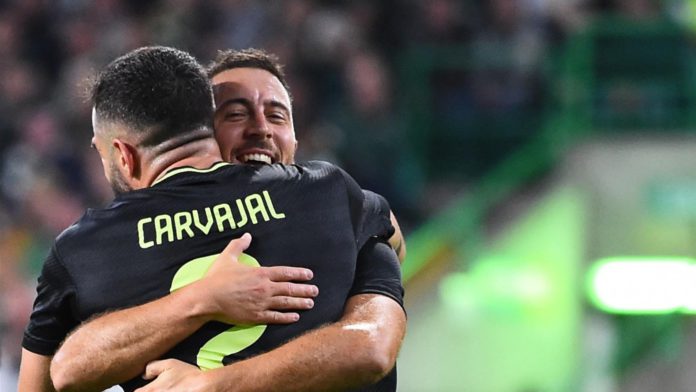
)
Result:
{"points": [[149, 242]]}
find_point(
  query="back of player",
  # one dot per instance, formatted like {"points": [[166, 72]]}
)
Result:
{"points": [[152, 241]]}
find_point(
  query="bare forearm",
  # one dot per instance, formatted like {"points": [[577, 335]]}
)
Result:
{"points": [[357, 351], [116, 347], [33, 373], [285, 370]]}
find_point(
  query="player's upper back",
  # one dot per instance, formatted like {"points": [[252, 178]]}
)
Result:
{"points": [[144, 237]]}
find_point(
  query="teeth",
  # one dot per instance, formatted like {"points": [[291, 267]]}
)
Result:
{"points": [[257, 158]]}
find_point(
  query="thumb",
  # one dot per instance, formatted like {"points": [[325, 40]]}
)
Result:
{"points": [[154, 369], [237, 246]]}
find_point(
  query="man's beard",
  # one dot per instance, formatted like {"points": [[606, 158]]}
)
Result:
{"points": [[118, 183]]}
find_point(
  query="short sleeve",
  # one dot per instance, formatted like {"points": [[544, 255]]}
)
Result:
{"points": [[378, 271], [376, 217], [370, 212], [53, 315]]}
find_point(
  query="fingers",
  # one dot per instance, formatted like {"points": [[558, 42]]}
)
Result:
{"points": [[284, 303], [272, 317], [287, 274], [155, 368], [289, 289], [237, 246], [290, 303]]}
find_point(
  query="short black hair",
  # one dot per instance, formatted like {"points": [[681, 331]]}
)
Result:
{"points": [[249, 58], [158, 92]]}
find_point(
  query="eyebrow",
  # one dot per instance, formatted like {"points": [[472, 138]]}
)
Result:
{"points": [[243, 101], [232, 101], [277, 104], [220, 88]]}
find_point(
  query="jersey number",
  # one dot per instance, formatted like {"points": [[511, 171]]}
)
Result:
{"points": [[228, 342]]}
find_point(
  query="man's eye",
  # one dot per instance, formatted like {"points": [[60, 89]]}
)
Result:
{"points": [[234, 115], [276, 117]]}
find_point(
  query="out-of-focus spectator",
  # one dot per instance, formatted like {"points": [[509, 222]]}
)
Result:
{"points": [[371, 143], [639, 9], [444, 21], [636, 10], [508, 49]]}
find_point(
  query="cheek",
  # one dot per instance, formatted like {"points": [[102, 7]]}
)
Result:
{"points": [[228, 139], [286, 141]]}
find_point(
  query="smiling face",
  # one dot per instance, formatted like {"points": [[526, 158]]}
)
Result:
{"points": [[253, 117]]}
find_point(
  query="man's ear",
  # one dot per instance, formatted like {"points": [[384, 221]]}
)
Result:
{"points": [[128, 159]]}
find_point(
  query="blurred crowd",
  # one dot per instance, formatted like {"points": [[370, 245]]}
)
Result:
{"points": [[343, 59]]}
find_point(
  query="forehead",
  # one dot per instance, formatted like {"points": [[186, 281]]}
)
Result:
{"points": [[251, 83]]}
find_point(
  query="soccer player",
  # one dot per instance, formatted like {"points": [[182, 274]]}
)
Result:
{"points": [[149, 128], [253, 116]]}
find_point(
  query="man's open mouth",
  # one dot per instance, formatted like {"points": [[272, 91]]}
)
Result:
{"points": [[256, 158]]}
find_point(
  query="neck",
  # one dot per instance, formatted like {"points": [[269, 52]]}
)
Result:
{"points": [[200, 154]]}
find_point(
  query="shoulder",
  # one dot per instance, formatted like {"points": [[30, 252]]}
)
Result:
{"points": [[95, 220], [74, 230], [321, 169], [306, 171], [74, 237]]}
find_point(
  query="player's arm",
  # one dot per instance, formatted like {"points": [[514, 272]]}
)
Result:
{"points": [[116, 347], [373, 208], [51, 320], [33, 373], [358, 350], [397, 241]]}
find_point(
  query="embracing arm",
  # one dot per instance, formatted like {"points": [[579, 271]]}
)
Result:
{"points": [[358, 350], [374, 209], [397, 241], [116, 347], [33, 373]]}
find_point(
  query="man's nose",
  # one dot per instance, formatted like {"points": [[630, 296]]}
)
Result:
{"points": [[259, 126]]}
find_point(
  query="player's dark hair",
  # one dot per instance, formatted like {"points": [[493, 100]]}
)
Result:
{"points": [[248, 58], [158, 92]]}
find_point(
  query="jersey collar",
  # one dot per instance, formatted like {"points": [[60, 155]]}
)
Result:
{"points": [[188, 169]]}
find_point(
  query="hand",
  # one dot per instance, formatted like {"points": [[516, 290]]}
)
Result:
{"points": [[235, 293], [173, 375]]}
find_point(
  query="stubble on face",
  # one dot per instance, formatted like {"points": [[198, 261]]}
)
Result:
{"points": [[118, 183], [240, 94]]}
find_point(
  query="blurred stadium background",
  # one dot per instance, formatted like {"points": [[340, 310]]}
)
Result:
{"points": [[540, 154]]}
